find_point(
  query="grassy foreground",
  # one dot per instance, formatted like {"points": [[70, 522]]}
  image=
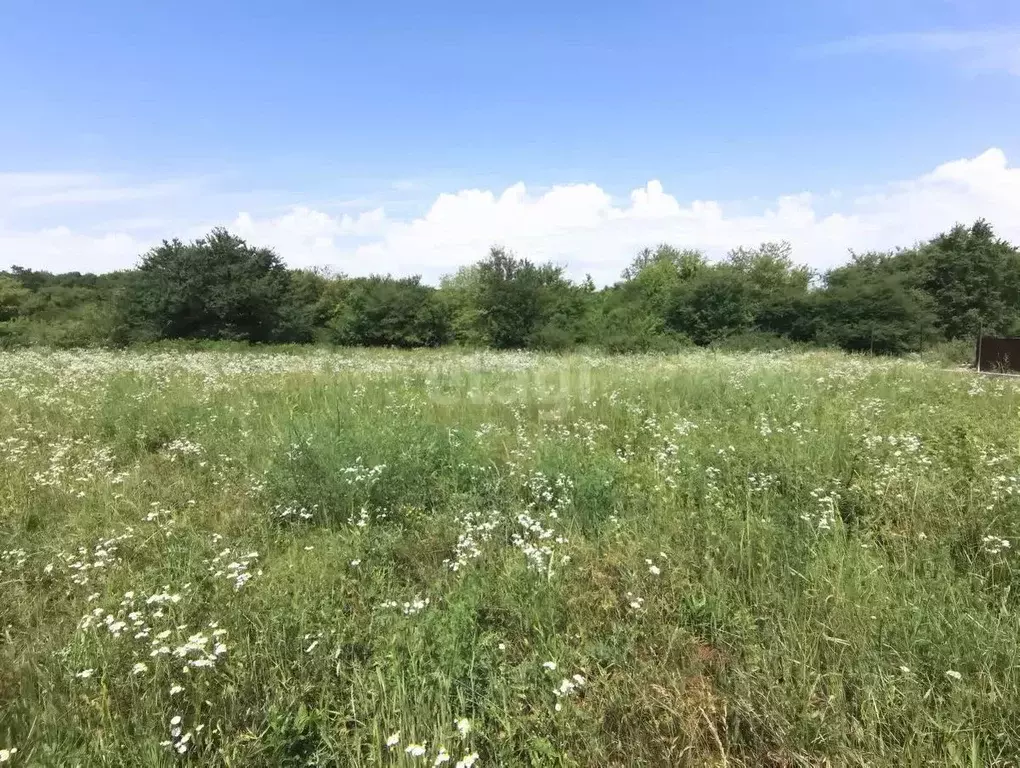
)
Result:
{"points": [[259, 559]]}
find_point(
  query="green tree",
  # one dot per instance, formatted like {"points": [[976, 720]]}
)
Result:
{"points": [[654, 276], [563, 320], [713, 305], [870, 305], [633, 314], [460, 295], [777, 288], [385, 311], [973, 279], [510, 303], [13, 296], [217, 287], [509, 299], [304, 312]]}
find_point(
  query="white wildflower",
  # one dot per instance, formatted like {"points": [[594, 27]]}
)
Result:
{"points": [[392, 740], [464, 727], [994, 545], [415, 750], [139, 668]]}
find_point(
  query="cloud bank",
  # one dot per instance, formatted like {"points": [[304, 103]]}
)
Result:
{"points": [[579, 226]]}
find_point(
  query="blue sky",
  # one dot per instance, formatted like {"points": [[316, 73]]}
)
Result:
{"points": [[128, 122]]}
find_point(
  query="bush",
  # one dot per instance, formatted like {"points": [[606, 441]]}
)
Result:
{"points": [[551, 337]]}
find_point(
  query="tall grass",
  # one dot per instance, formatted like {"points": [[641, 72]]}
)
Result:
{"points": [[745, 560]]}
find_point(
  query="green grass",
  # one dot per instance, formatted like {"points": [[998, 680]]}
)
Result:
{"points": [[747, 559]]}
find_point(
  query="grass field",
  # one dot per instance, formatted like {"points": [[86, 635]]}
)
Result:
{"points": [[361, 559]]}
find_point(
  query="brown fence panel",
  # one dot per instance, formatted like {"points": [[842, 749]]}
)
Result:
{"points": [[998, 354]]}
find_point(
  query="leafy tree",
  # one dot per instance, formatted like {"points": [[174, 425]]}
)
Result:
{"points": [[973, 279], [217, 287], [777, 288], [712, 306], [306, 308], [685, 263], [564, 316], [509, 299], [870, 306], [460, 295], [510, 303], [13, 297], [633, 313], [384, 311], [654, 276]]}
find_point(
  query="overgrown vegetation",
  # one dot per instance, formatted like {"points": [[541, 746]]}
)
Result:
{"points": [[220, 287], [384, 558]]}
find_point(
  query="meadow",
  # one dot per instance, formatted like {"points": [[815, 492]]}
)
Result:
{"points": [[357, 558]]}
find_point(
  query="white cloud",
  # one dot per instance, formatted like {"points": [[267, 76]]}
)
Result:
{"points": [[579, 225], [61, 250], [992, 50]]}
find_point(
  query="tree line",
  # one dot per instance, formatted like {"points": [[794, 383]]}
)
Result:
{"points": [[220, 287]]}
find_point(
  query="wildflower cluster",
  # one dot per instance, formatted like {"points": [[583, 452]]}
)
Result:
{"points": [[85, 564], [181, 448], [237, 571], [994, 545], [537, 537], [149, 629], [418, 750], [538, 543], [75, 465], [295, 511], [760, 483], [476, 529], [894, 461], [1001, 488], [823, 516], [180, 741], [567, 686], [359, 474], [12, 559], [408, 608]]}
